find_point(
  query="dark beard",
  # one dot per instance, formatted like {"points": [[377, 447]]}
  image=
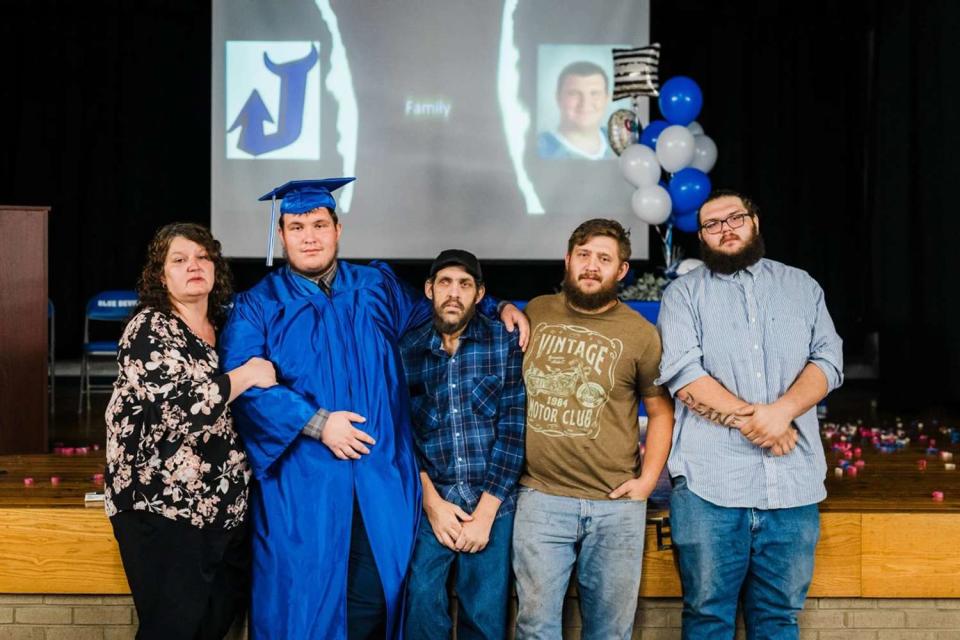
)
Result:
{"points": [[588, 301], [729, 264], [444, 327]]}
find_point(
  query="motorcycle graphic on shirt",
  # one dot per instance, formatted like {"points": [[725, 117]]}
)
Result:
{"points": [[569, 376]]}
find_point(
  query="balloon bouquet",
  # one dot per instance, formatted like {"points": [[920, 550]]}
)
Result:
{"points": [[675, 145]]}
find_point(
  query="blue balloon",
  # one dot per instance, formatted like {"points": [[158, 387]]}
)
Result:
{"points": [[652, 132], [686, 221], [689, 189], [680, 100]]}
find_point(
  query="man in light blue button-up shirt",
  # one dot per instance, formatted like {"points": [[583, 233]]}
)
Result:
{"points": [[749, 349]]}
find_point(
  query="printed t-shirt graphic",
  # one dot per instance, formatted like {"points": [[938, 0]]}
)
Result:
{"points": [[585, 376], [569, 378]]}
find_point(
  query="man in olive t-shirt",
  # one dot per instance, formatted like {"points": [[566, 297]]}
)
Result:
{"points": [[583, 494]]}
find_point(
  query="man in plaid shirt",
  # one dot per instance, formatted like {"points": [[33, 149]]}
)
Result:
{"points": [[468, 404]]}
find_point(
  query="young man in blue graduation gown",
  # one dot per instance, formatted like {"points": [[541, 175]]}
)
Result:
{"points": [[336, 510]]}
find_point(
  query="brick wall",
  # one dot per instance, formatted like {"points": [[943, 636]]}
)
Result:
{"points": [[821, 619], [43, 617], [39, 617], [826, 619]]}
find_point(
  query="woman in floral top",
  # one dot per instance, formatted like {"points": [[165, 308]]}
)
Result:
{"points": [[177, 474]]}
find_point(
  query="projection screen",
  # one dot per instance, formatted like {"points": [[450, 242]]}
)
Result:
{"points": [[456, 117]]}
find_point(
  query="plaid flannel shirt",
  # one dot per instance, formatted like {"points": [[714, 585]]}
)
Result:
{"points": [[468, 411]]}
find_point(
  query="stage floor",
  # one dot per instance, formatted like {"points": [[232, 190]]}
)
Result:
{"points": [[887, 481], [76, 478], [882, 534]]}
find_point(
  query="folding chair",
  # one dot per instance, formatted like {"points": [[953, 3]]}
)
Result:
{"points": [[106, 306]]}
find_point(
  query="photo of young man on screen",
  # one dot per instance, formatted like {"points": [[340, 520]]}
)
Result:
{"points": [[583, 98]]}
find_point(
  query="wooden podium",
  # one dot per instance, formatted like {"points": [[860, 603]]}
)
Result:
{"points": [[23, 329]]}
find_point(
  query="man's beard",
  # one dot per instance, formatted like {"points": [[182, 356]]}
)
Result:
{"points": [[730, 263], [446, 327], [600, 298]]}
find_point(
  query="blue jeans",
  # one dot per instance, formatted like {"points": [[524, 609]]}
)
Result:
{"points": [[482, 583], [602, 538], [724, 553]]}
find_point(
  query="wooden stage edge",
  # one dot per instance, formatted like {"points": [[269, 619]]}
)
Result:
{"points": [[50, 545]]}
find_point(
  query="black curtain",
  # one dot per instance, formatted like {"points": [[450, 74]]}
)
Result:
{"points": [[840, 118], [915, 227], [837, 117], [106, 113], [786, 98]]}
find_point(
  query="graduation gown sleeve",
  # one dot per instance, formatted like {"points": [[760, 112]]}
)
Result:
{"points": [[270, 419]]}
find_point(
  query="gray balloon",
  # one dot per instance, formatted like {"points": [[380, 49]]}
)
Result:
{"points": [[639, 165], [688, 265], [652, 204], [675, 148], [695, 128], [704, 153]]}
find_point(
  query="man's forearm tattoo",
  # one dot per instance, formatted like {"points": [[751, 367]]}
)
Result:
{"points": [[709, 413]]}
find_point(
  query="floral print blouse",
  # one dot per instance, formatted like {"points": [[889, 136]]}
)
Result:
{"points": [[171, 446]]}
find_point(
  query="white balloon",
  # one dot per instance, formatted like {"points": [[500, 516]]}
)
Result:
{"points": [[652, 204], [688, 265], [704, 153], [695, 128], [639, 165], [675, 148]]}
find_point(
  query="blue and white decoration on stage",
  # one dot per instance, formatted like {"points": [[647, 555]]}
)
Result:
{"points": [[677, 146], [272, 100]]}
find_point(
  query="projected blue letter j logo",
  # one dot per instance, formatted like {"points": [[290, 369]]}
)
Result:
{"points": [[273, 100]]}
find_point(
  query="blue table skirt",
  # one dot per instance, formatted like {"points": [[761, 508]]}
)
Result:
{"points": [[649, 309]]}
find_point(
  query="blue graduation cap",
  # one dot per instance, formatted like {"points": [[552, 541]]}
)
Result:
{"points": [[300, 196]]}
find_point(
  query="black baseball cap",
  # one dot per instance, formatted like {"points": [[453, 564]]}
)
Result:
{"points": [[459, 258]]}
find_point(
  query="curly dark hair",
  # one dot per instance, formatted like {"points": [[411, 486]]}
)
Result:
{"points": [[150, 287]]}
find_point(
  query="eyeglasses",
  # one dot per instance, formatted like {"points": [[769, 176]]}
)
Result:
{"points": [[734, 221]]}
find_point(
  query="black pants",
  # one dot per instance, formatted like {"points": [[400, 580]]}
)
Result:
{"points": [[366, 605], [187, 583]]}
